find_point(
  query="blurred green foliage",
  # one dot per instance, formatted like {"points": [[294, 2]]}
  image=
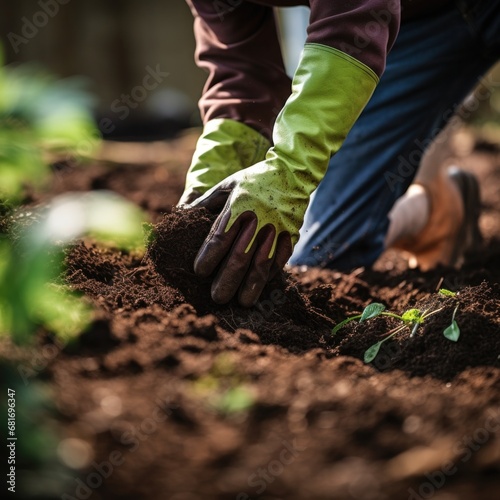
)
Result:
{"points": [[29, 299], [38, 115], [39, 472], [30, 268]]}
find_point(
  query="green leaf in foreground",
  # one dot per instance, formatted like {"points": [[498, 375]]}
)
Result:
{"points": [[452, 332], [371, 352], [103, 215], [113, 220], [62, 312], [372, 311]]}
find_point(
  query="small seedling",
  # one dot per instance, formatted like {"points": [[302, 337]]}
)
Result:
{"points": [[452, 332], [412, 319]]}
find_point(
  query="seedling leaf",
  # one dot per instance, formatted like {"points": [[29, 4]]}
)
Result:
{"points": [[372, 311], [149, 233], [413, 316], [452, 332], [447, 293], [371, 352]]}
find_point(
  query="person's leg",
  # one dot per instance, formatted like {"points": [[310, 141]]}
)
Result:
{"points": [[433, 65], [437, 220]]}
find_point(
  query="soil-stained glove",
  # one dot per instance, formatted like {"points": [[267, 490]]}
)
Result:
{"points": [[263, 206], [225, 146]]}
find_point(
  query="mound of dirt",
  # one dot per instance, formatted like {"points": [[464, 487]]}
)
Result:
{"points": [[165, 279]]}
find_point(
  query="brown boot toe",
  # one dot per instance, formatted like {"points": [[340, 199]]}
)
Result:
{"points": [[452, 229]]}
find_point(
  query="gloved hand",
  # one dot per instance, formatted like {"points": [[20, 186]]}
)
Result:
{"points": [[263, 206], [225, 146], [262, 211]]}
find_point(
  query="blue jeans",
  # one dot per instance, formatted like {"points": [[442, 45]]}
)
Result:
{"points": [[433, 65]]}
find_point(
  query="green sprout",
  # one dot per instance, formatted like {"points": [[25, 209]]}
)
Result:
{"points": [[452, 332], [412, 319]]}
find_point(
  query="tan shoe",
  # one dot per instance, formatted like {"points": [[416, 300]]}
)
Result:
{"points": [[452, 229]]}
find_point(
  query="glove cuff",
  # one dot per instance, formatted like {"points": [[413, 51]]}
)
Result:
{"points": [[224, 147], [329, 90]]}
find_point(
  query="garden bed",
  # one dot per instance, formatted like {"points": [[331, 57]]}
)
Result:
{"points": [[186, 400]]}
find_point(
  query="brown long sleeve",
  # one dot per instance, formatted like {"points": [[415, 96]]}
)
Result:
{"points": [[241, 53], [237, 44]]}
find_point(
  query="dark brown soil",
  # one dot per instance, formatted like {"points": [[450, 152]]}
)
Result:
{"points": [[194, 401]]}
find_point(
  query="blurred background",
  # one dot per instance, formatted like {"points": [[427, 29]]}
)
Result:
{"points": [[115, 45], [137, 58]]}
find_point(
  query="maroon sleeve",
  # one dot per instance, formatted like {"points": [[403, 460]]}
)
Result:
{"points": [[239, 49], [364, 29], [237, 44]]}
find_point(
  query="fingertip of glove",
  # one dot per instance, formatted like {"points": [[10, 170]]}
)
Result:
{"points": [[218, 295], [247, 301], [201, 269]]}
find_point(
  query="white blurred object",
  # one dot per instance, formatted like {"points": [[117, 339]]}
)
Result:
{"points": [[75, 453], [293, 23]]}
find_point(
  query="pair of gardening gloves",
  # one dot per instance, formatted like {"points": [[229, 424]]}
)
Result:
{"points": [[261, 192]]}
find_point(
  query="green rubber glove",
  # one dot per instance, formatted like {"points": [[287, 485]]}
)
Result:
{"points": [[225, 146], [263, 206]]}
